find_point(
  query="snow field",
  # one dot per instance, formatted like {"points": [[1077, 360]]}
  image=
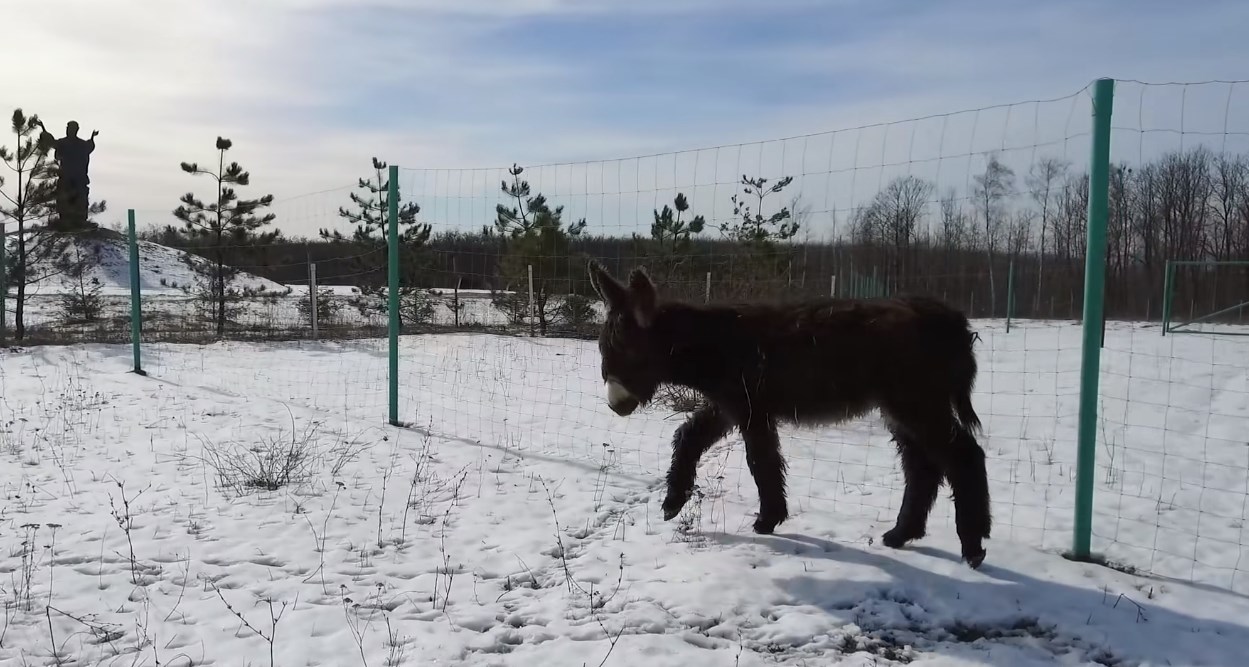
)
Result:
{"points": [[516, 520]]}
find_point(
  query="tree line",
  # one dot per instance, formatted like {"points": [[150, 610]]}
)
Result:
{"points": [[1010, 242]]}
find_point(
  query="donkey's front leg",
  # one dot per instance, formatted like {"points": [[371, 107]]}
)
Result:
{"points": [[767, 466], [706, 426]]}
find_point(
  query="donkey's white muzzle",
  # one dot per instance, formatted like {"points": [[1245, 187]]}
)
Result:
{"points": [[619, 399]]}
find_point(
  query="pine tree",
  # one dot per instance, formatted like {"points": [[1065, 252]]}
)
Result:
{"points": [[671, 240], [371, 216], [29, 203], [752, 228], [760, 236], [535, 237], [225, 221], [84, 301]]}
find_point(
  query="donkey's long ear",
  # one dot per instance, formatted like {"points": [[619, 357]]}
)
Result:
{"points": [[643, 295], [612, 292]]}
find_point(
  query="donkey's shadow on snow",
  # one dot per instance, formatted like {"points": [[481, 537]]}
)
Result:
{"points": [[1120, 612]]}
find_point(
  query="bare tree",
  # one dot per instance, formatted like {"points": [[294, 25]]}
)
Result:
{"points": [[801, 213], [1242, 209], [1231, 186], [1070, 223], [953, 232], [990, 193], [1185, 189], [1019, 233], [1146, 216], [1119, 242], [1043, 180], [899, 209], [863, 227]]}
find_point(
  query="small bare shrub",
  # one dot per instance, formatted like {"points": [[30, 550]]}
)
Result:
{"points": [[680, 399], [275, 617], [125, 521], [282, 460], [267, 465]]}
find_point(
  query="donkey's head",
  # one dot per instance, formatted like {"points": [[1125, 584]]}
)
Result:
{"points": [[628, 364]]}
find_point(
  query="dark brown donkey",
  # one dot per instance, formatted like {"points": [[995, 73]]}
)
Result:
{"points": [[816, 362]]}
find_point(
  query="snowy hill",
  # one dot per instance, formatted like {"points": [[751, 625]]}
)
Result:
{"points": [[161, 269]]}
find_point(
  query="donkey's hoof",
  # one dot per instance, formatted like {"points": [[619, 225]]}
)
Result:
{"points": [[672, 507], [974, 557], [897, 537], [765, 524]]}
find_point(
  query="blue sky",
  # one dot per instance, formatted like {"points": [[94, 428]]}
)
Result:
{"points": [[310, 90]]}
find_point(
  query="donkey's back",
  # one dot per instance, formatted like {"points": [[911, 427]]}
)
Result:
{"points": [[831, 359]]}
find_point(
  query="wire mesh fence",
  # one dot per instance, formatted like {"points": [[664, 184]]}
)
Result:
{"points": [[986, 209], [1173, 461], [945, 206]]}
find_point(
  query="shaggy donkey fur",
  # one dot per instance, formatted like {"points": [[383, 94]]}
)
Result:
{"points": [[817, 362]]}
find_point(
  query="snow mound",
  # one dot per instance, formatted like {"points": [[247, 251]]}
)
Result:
{"points": [[162, 270]]}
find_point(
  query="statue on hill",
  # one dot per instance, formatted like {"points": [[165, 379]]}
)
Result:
{"points": [[73, 154]]}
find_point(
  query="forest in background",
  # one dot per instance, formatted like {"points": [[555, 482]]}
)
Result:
{"points": [[1020, 233]]}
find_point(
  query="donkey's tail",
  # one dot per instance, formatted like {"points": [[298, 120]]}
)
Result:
{"points": [[966, 413], [949, 333], [964, 372]]}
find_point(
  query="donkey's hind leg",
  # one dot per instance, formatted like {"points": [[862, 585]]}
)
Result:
{"points": [[923, 480], [939, 443], [968, 479], [767, 466]]}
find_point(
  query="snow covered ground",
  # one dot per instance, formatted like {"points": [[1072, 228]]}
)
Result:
{"points": [[147, 520], [163, 271], [169, 297]]}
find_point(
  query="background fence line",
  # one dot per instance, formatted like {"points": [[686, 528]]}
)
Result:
{"points": [[993, 210]]}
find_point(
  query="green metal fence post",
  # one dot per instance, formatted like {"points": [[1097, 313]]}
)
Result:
{"points": [[392, 278], [1010, 293], [1168, 293], [136, 310], [1094, 311]]}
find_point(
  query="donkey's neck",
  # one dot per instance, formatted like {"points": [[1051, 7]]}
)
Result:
{"points": [[694, 346]]}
